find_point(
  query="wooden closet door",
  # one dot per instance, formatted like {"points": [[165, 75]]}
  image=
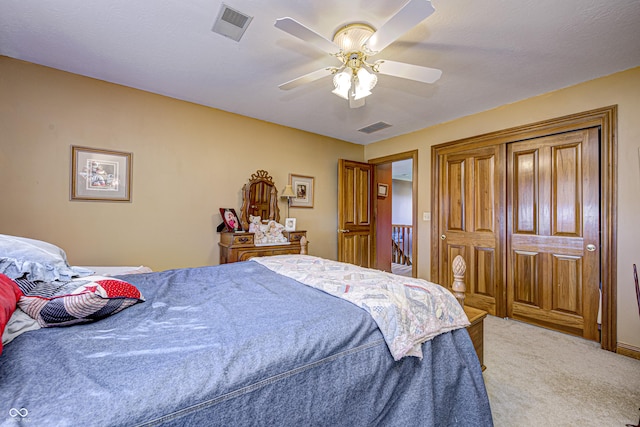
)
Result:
{"points": [[470, 218], [553, 232]]}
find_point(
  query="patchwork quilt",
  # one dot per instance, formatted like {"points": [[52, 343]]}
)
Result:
{"points": [[408, 311]]}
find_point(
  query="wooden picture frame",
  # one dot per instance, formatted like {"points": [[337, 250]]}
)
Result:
{"points": [[230, 219], [383, 190], [303, 187], [100, 175]]}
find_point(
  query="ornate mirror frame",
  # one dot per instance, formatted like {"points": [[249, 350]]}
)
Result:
{"points": [[259, 198]]}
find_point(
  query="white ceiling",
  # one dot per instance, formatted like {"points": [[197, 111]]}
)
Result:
{"points": [[491, 52]]}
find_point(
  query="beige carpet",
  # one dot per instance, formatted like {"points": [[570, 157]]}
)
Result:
{"points": [[537, 377]]}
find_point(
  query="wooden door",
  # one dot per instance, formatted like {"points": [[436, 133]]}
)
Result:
{"points": [[383, 213], [470, 211], [355, 216], [553, 232]]}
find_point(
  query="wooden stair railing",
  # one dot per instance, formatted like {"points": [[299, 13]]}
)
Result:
{"points": [[401, 238], [397, 254]]}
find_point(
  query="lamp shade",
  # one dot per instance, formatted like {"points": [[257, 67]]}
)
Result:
{"points": [[287, 192], [365, 82], [342, 83]]}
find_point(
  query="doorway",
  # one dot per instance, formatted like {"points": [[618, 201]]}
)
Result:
{"points": [[395, 207], [402, 218]]}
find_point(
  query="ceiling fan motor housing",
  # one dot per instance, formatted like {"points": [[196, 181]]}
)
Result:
{"points": [[355, 60]]}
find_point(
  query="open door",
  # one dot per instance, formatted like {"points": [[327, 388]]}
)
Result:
{"points": [[355, 213]]}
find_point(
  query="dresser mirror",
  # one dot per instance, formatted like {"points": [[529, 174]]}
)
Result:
{"points": [[259, 198]]}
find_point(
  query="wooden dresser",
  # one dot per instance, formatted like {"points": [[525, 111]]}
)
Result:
{"points": [[240, 246], [476, 330]]}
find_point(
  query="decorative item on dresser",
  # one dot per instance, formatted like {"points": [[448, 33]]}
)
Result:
{"points": [[230, 219], [290, 224], [259, 202]]}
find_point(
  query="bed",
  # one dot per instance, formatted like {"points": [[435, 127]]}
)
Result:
{"points": [[242, 344]]}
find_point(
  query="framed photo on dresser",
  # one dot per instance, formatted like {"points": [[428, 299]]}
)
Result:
{"points": [[230, 219], [290, 224]]}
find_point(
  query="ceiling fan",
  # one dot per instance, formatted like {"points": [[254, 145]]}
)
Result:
{"points": [[354, 44]]}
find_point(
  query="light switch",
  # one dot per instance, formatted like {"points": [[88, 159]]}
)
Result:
{"points": [[426, 216]]}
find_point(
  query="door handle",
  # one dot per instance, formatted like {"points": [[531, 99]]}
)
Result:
{"points": [[442, 237], [343, 231], [591, 247]]}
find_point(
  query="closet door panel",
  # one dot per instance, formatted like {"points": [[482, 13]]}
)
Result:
{"points": [[525, 184], [552, 181], [484, 201], [471, 206], [485, 273], [456, 194], [526, 268]]}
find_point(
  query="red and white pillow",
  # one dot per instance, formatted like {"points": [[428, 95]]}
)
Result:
{"points": [[9, 295], [77, 301]]}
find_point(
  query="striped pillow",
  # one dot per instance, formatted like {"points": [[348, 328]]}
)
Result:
{"points": [[78, 301]]}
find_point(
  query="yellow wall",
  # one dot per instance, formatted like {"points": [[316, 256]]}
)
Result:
{"points": [[188, 161], [622, 89]]}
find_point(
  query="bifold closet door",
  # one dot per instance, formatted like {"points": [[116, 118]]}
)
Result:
{"points": [[553, 232], [470, 215]]}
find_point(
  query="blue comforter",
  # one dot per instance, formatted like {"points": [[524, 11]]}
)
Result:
{"points": [[236, 345]]}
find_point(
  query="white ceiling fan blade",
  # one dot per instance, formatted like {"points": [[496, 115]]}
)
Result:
{"points": [[307, 78], [296, 29], [409, 71], [411, 14]]}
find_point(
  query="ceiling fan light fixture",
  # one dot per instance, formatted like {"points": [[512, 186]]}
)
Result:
{"points": [[365, 82], [360, 94], [352, 36], [342, 83]]}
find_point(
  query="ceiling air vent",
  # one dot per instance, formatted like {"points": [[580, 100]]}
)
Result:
{"points": [[231, 23], [374, 127]]}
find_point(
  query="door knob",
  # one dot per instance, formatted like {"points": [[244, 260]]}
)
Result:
{"points": [[343, 231], [591, 247], [443, 237]]}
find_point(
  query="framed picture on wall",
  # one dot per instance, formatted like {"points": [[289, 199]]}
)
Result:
{"points": [[303, 189], [383, 190], [100, 175]]}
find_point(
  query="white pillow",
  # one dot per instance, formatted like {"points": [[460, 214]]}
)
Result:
{"points": [[37, 260], [19, 323]]}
